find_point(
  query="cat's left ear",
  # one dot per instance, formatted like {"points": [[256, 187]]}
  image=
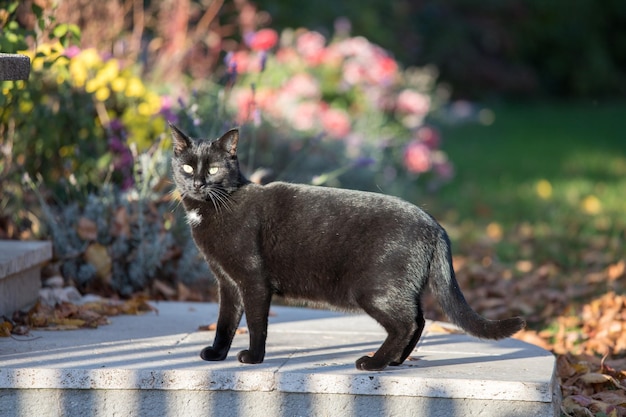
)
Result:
{"points": [[229, 141], [181, 141]]}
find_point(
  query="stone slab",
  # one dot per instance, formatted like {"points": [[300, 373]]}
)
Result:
{"points": [[20, 280], [309, 364], [14, 67]]}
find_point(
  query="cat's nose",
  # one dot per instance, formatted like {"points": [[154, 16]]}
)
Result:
{"points": [[197, 183]]}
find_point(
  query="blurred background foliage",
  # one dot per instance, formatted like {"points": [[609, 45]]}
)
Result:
{"points": [[505, 119], [524, 48]]}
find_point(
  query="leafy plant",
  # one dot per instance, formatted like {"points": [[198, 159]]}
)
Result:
{"points": [[121, 242]]}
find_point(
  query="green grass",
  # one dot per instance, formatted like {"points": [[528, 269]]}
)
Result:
{"points": [[575, 153]]}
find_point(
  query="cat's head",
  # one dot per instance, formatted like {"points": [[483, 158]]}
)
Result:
{"points": [[206, 170]]}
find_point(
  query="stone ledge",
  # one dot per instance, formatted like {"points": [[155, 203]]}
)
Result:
{"points": [[14, 67], [20, 280], [309, 367]]}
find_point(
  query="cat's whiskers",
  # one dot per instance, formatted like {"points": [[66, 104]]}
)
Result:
{"points": [[223, 197], [211, 195]]}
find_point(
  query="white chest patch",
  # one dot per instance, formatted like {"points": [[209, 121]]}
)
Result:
{"points": [[194, 218]]}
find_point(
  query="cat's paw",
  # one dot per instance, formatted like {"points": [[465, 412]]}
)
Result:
{"points": [[369, 363], [245, 356], [210, 354]]}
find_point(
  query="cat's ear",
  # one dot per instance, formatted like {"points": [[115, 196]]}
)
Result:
{"points": [[181, 141], [229, 141]]}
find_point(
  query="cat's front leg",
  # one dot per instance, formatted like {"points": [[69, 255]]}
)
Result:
{"points": [[231, 310], [257, 306]]}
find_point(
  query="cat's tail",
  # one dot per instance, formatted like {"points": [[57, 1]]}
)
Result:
{"points": [[447, 292]]}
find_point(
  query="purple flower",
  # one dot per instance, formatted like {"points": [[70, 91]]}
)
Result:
{"points": [[116, 145], [363, 162], [116, 124]]}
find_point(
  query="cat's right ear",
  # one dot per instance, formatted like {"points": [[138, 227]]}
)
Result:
{"points": [[181, 141], [229, 141]]}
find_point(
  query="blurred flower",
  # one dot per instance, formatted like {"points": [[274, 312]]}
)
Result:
{"points": [[263, 40], [429, 136], [245, 105], [442, 166], [417, 157], [72, 51], [383, 69], [311, 46], [336, 122], [411, 101], [302, 86], [347, 88], [305, 115], [363, 162]]}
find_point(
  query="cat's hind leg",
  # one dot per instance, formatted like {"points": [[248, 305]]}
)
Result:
{"points": [[402, 332], [416, 337]]}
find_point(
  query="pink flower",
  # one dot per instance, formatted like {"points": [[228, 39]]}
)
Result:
{"points": [[383, 69], [240, 62], [353, 72], [305, 116], [263, 40], [286, 55], [429, 136], [246, 104], [417, 157], [412, 102], [72, 51], [336, 122], [311, 46], [302, 86]]}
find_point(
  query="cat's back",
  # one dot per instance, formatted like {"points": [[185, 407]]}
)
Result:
{"points": [[326, 203]]}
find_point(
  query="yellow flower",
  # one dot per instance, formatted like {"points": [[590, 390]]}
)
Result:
{"points": [[89, 57], [66, 151], [92, 85], [135, 88], [25, 106], [37, 63], [118, 85], [78, 71], [150, 106], [544, 189], [143, 109], [591, 205], [109, 71], [102, 93]]}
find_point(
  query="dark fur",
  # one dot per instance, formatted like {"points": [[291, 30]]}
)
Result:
{"points": [[350, 249]]}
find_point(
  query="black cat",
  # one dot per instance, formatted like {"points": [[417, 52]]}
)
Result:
{"points": [[349, 249]]}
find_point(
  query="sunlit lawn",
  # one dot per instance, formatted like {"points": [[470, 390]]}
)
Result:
{"points": [[556, 171]]}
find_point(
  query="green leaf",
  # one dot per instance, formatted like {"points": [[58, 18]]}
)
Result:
{"points": [[60, 30], [13, 6], [37, 10]]}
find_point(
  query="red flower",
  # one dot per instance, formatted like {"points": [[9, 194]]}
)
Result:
{"points": [[263, 40], [417, 157]]}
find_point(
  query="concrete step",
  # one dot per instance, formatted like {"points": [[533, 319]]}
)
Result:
{"points": [[20, 273], [149, 366]]}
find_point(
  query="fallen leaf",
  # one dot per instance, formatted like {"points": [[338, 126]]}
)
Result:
{"points": [[87, 229], [438, 328], [98, 256], [5, 329], [213, 326], [121, 222]]}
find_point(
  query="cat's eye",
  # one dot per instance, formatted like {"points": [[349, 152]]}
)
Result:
{"points": [[188, 169], [213, 170]]}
